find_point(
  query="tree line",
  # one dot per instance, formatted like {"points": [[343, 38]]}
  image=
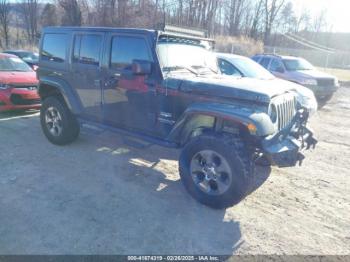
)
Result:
{"points": [[256, 19]]}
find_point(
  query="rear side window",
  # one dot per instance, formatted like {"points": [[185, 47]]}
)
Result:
{"points": [[125, 49], [275, 65], [265, 62], [87, 49], [54, 47]]}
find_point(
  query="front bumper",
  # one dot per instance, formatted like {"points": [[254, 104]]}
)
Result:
{"points": [[15, 99], [322, 91], [287, 146]]}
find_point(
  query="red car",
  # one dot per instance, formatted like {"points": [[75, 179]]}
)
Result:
{"points": [[18, 84]]}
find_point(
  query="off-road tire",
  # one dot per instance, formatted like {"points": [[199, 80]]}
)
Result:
{"points": [[70, 126], [238, 158]]}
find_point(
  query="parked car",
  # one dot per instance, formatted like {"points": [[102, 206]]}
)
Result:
{"points": [[18, 84], [240, 66], [300, 71], [163, 86], [31, 58]]}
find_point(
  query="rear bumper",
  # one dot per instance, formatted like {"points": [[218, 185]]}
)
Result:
{"points": [[287, 146], [14, 99]]}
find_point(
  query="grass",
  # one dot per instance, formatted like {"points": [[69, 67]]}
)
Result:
{"points": [[342, 74]]}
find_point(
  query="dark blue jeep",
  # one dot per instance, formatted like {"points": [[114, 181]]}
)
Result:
{"points": [[163, 86]]}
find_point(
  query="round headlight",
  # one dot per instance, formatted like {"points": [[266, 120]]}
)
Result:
{"points": [[273, 113], [4, 86]]}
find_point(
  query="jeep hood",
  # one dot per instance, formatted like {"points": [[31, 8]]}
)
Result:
{"points": [[231, 87]]}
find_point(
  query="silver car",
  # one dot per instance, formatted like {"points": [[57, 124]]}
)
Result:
{"points": [[300, 71], [241, 66]]}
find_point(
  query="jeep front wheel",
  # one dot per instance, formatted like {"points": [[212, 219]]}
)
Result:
{"points": [[216, 170], [57, 122]]}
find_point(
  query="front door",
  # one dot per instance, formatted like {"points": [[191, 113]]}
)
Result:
{"points": [[129, 100], [86, 72], [277, 68]]}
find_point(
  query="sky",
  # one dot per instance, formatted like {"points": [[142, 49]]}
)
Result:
{"points": [[338, 11]]}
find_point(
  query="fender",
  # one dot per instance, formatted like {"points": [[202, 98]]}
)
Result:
{"points": [[70, 96], [237, 114]]}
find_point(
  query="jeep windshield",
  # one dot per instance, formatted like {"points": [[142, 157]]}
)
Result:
{"points": [[186, 58]]}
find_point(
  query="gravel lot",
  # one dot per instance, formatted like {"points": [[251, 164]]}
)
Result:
{"points": [[100, 196]]}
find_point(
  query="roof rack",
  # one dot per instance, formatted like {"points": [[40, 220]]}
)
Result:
{"points": [[184, 32]]}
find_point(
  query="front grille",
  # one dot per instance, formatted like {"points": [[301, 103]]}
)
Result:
{"points": [[26, 87], [19, 100], [285, 109], [325, 82]]}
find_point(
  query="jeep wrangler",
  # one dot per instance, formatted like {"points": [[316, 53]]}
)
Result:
{"points": [[164, 87]]}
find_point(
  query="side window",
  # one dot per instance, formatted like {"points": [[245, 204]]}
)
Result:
{"points": [[256, 58], [125, 49], [227, 68], [87, 49], [54, 47], [276, 65], [265, 62]]}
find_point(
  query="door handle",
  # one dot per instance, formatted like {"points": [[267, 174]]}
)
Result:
{"points": [[54, 73]]}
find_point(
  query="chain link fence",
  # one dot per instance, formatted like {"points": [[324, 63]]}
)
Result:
{"points": [[318, 58]]}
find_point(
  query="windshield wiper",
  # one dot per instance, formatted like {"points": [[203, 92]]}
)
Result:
{"points": [[174, 68]]}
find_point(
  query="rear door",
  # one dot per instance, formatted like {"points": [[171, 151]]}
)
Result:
{"points": [[86, 72]]}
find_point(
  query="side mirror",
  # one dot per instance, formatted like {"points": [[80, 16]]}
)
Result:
{"points": [[141, 67]]}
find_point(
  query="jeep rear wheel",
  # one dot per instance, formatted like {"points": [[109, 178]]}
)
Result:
{"points": [[216, 170], [57, 122]]}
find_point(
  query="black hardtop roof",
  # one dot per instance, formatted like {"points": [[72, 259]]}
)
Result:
{"points": [[98, 29], [56, 29]]}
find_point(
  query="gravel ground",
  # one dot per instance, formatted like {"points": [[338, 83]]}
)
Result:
{"points": [[100, 196]]}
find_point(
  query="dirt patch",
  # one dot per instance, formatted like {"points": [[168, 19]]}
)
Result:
{"points": [[100, 196]]}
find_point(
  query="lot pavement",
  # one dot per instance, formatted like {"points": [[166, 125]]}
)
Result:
{"points": [[100, 196]]}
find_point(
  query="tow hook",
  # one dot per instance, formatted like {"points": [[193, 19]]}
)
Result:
{"points": [[311, 142]]}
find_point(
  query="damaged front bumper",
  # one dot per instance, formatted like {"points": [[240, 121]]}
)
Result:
{"points": [[287, 146]]}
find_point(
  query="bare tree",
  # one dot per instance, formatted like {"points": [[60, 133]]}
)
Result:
{"points": [[5, 21], [104, 12], [288, 19], [49, 15], [29, 9], [271, 9], [234, 16], [303, 21], [72, 13], [320, 21], [258, 10]]}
